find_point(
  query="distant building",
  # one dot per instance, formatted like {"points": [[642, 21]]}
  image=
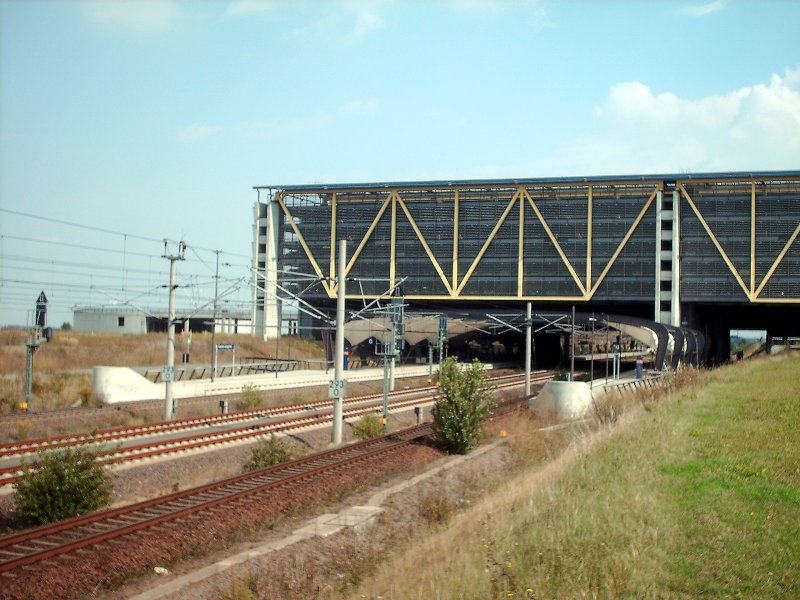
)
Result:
{"points": [[131, 321], [112, 319]]}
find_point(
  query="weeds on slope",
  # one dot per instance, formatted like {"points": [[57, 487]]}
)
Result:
{"points": [[697, 495]]}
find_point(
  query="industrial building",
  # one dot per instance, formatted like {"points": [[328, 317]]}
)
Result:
{"points": [[710, 251], [126, 320]]}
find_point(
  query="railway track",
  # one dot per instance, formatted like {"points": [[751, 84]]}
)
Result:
{"points": [[67, 537], [134, 406], [285, 418], [49, 541]]}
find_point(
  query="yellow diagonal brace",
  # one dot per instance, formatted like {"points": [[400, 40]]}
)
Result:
{"points": [[367, 235], [487, 243], [622, 244], [777, 262], [311, 259], [555, 243], [425, 245], [716, 242]]}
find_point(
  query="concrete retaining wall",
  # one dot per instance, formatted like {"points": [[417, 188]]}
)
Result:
{"points": [[562, 400]]}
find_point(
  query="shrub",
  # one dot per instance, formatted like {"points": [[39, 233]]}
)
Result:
{"points": [[464, 404], [436, 508], [65, 483], [249, 398], [267, 453], [368, 426], [23, 429], [85, 394]]}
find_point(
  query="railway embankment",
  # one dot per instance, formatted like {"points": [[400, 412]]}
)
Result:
{"points": [[696, 494]]}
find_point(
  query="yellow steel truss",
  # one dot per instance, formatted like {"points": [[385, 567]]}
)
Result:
{"points": [[587, 288], [752, 293], [455, 287]]}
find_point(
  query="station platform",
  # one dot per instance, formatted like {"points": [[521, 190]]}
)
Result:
{"points": [[121, 384]]}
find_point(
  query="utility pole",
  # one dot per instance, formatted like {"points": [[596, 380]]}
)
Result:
{"points": [[442, 338], [338, 385], [214, 322], [591, 349], [572, 348], [607, 349], [528, 337], [169, 369]]}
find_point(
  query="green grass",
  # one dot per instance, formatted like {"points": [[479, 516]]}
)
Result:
{"points": [[697, 496], [736, 493]]}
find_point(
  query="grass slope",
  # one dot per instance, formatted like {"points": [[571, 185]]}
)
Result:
{"points": [[697, 496]]}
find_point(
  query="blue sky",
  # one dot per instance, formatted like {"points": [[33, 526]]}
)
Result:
{"points": [[154, 119]]}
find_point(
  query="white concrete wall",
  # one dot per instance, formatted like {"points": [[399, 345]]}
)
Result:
{"points": [[108, 321]]}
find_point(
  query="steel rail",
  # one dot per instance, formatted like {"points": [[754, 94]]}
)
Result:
{"points": [[143, 404], [127, 432], [25, 548], [11, 474], [153, 512]]}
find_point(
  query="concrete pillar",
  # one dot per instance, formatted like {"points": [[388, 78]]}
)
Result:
{"points": [[676, 259], [657, 297]]}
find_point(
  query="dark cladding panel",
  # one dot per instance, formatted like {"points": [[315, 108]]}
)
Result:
{"points": [[614, 212]]}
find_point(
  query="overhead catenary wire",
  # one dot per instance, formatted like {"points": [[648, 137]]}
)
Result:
{"points": [[124, 234]]}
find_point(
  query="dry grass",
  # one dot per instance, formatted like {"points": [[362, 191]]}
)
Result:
{"points": [[663, 504], [62, 366]]}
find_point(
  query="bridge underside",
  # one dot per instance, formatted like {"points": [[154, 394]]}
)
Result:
{"points": [[712, 251]]}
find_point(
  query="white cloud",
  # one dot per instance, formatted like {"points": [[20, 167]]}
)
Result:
{"points": [[348, 21], [196, 133], [251, 7], [701, 10], [638, 131], [366, 21], [141, 16], [359, 107], [486, 5]]}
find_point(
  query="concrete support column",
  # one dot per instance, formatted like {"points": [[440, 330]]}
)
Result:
{"points": [[266, 234], [676, 259], [657, 297]]}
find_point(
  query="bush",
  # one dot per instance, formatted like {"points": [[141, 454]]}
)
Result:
{"points": [[368, 426], [249, 398], [267, 453], [64, 484], [464, 404]]}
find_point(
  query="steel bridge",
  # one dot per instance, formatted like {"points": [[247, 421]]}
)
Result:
{"points": [[712, 250]]}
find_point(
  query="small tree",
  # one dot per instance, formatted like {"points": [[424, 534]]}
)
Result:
{"points": [[464, 404], [65, 483], [271, 451]]}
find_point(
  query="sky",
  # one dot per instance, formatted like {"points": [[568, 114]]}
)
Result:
{"points": [[124, 123]]}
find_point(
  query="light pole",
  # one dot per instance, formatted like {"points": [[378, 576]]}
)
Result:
{"points": [[214, 322], [528, 337], [572, 348], [338, 359], [591, 360]]}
